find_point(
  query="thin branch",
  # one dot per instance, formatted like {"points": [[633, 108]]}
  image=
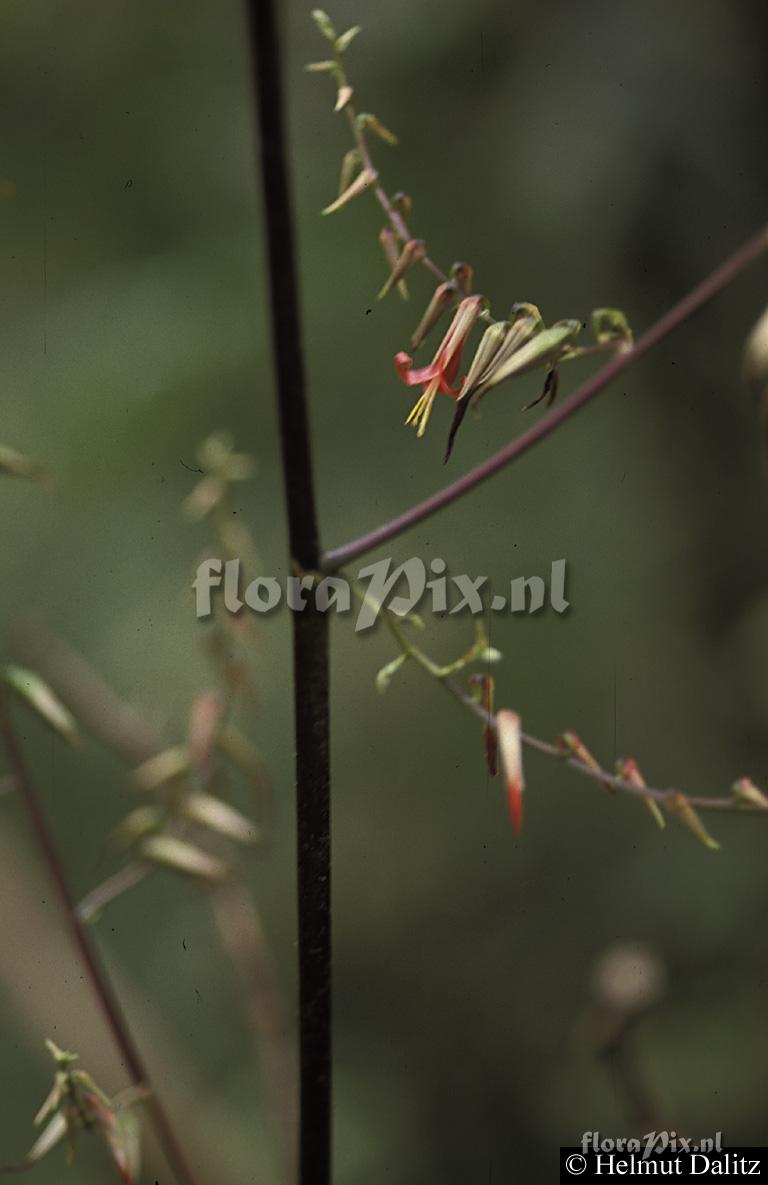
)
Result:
{"points": [[310, 631], [442, 676], [100, 985], [598, 774], [690, 304]]}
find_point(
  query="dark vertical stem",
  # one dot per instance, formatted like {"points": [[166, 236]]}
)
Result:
{"points": [[310, 642], [102, 989]]}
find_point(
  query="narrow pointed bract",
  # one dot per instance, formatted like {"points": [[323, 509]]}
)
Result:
{"points": [[510, 748], [462, 274], [389, 245], [369, 122], [628, 770], [323, 22], [326, 67], [570, 744], [343, 95], [345, 40], [442, 298], [490, 344], [680, 805], [349, 165], [402, 203], [412, 252], [361, 182], [32, 690], [181, 856], [748, 794]]}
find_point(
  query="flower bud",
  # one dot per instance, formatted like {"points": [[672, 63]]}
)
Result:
{"points": [[362, 181], [489, 346], [368, 122], [461, 274], [32, 690], [628, 770], [442, 298], [523, 324], [384, 677], [343, 95], [610, 325], [482, 688], [323, 22], [138, 824], [748, 794], [345, 40], [466, 314], [326, 67], [412, 252], [510, 748], [571, 745], [349, 165], [678, 804], [543, 348], [211, 812], [180, 856], [402, 204], [161, 769], [389, 245]]}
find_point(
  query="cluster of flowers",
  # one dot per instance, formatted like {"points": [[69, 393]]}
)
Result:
{"points": [[506, 349]]}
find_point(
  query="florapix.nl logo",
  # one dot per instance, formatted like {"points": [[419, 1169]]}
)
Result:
{"points": [[408, 588]]}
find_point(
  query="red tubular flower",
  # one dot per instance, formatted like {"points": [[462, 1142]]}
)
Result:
{"points": [[441, 373]]}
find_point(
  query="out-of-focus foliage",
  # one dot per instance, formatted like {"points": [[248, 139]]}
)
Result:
{"points": [[577, 155]]}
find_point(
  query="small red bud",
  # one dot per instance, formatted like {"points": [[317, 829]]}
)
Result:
{"points": [[571, 745]]}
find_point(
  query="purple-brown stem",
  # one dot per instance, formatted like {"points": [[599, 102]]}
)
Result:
{"points": [[95, 973], [681, 312]]}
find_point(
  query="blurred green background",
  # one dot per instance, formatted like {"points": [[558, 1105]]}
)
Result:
{"points": [[578, 155]]}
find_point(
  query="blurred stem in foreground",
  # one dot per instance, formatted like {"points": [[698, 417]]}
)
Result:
{"points": [[100, 985], [130, 733]]}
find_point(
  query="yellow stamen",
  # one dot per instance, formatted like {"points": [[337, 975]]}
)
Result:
{"points": [[430, 399], [415, 412], [420, 412]]}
